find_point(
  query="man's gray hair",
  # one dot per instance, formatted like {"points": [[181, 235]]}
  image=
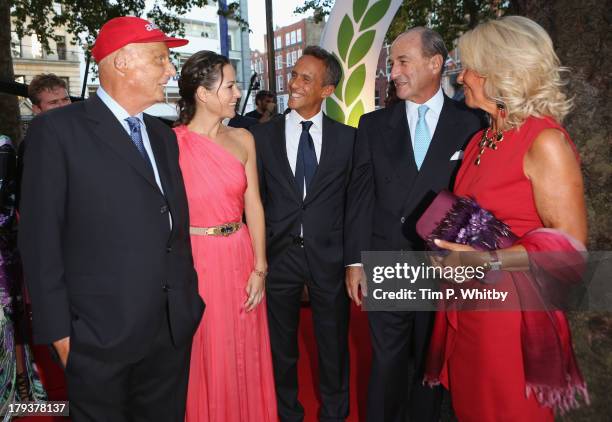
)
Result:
{"points": [[431, 43]]}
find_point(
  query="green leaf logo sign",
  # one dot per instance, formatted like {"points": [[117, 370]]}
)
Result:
{"points": [[354, 33]]}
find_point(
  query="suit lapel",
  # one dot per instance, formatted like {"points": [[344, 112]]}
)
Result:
{"points": [[328, 148], [112, 133], [441, 148], [279, 149], [398, 145]]}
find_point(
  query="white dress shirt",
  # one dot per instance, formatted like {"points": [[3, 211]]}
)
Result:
{"points": [[435, 104], [293, 130]]}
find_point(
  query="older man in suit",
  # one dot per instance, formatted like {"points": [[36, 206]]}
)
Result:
{"points": [[304, 164], [105, 240], [404, 155]]}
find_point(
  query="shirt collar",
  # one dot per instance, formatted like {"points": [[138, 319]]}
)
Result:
{"points": [[119, 112], [434, 104], [296, 119]]}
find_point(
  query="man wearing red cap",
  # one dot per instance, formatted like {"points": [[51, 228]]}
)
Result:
{"points": [[105, 237]]}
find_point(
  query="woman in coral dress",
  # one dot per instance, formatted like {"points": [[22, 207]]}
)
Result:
{"points": [[231, 378], [514, 365]]}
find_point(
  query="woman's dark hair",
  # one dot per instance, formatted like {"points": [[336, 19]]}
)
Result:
{"points": [[204, 68]]}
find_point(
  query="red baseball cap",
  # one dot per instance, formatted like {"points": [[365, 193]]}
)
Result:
{"points": [[125, 30]]}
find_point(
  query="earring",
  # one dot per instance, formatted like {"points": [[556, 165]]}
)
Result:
{"points": [[501, 108]]}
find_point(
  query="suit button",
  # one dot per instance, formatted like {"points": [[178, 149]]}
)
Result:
{"points": [[163, 209], [169, 249], [166, 288], [403, 220]]}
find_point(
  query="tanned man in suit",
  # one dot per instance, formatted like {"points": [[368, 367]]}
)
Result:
{"points": [[404, 155], [304, 165], [104, 236]]}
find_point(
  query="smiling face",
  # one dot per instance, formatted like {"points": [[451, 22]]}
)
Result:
{"points": [[307, 88], [222, 98], [416, 77], [147, 71]]}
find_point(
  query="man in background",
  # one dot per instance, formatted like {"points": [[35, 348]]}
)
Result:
{"points": [[48, 91], [264, 101]]}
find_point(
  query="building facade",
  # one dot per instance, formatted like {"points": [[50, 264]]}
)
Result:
{"points": [[289, 42], [30, 58]]}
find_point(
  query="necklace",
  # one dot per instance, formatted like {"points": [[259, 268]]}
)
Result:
{"points": [[488, 140]]}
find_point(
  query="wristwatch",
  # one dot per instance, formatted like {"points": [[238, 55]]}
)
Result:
{"points": [[494, 263]]}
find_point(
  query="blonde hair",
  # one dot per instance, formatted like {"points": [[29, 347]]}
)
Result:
{"points": [[522, 71]]}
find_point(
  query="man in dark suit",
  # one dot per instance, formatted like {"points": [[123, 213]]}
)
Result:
{"points": [[404, 155], [104, 236], [304, 165]]}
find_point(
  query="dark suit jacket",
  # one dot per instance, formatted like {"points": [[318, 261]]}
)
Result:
{"points": [[321, 212], [387, 193], [100, 259]]}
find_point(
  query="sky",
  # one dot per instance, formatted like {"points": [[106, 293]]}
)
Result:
{"points": [[283, 15]]}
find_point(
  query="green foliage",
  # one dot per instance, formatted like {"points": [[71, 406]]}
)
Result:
{"points": [[361, 47], [354, 85], [448, 17], [359, 6], [333, 110], [356, 113], [375, 14], [345, 35], [87, 17]]}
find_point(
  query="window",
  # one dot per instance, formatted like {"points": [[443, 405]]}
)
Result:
{"points": [[182, 58], [294, 56], [37, 52], [299, 53], [279, 83], [60, 44], [292, 37], [57, 8], [15, 45], [281, 104], [299, 35], [288, 79], [199, 29], [278, 43], [230, 42], [279, 61], [289, 60], [287, 38]]}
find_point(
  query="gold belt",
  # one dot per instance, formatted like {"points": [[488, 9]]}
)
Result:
{"points": [[221, 230]]}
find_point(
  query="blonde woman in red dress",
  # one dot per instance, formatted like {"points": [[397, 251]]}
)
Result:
{"points": [[514, 365], [230, 377]]}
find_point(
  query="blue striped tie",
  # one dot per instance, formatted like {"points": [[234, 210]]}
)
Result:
{"points": [[422, 138], [136, 135]]}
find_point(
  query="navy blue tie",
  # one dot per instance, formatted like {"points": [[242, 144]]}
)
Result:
{"points": [[136, 136], [306, 164]]}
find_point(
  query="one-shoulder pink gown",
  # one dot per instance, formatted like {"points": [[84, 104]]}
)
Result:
{"points": [[231, 376]]}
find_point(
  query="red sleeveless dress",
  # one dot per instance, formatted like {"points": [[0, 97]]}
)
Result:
{"points": [[483, 366]]}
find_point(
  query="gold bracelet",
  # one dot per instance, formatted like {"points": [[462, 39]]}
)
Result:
{"points": [[260, 273]]}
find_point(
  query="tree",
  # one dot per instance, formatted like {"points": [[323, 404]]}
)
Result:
{"points": [[83, 18], [450, 18], [9, 124]]}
